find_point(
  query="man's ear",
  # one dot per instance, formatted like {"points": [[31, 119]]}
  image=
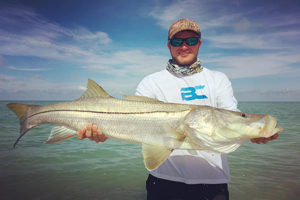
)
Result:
{"points": [[169, 46]]}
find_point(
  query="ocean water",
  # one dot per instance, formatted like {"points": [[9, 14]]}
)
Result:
{"points": [[77, 169]]}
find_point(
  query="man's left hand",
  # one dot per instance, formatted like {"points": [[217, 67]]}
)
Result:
{"points": [[264, 140]]}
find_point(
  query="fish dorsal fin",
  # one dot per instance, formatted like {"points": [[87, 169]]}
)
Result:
{"points": [[155, 155], [94, 90], [60, 133], [140, 98]]}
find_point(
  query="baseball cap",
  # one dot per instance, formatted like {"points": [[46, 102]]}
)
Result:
{"points": [[183, 25]]}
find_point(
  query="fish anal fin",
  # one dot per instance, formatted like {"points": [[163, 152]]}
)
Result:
{"points": [[94, 90], [140, 98], [155, 155], [60, 133]]}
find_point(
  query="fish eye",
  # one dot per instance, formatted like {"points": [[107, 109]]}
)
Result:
{"points": [[243, 115]]}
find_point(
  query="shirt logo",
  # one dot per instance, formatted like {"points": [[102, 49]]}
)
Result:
{"points": [[190, 93]]}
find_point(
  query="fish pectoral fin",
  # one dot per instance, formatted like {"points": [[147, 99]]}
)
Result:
{"points": [[155, 155], [94, 90], [277, 129], [140, 98], [174, 133], [60, 133]]}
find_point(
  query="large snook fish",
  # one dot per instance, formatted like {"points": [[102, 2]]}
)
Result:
{"points": [[159, 127]]}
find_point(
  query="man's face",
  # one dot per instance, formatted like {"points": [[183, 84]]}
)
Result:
{"points": [[184, 54]]}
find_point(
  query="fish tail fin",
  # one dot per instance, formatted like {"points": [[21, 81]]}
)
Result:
{"points": [[18, 109], [21, 110]]}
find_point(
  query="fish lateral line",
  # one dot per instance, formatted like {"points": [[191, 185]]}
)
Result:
{"points": [[102, 112]]}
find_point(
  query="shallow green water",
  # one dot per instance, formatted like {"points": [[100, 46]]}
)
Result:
{"points": [[113, 170]]}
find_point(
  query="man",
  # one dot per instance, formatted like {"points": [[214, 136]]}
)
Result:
{"points": [[200, 175]]}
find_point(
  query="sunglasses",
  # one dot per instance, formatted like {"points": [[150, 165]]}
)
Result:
{"points": [[191, 41]]}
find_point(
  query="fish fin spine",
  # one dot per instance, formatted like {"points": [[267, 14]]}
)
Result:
{"points": [[94, 90], [155, 155]]}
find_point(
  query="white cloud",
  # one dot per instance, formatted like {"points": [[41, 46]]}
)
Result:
{"points": [[208, 13], [23, 32], [227, 27], [169, 14], [133, 62], [84, 34], [35, 87], [41, 38], [5, 78], [263, 45], [242, 66], [83, 88], [242, 25], [31, 69]]}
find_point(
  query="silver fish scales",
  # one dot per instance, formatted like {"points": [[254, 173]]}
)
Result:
{"points": [[159, 127]]}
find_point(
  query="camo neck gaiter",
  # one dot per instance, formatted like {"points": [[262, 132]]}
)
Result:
{"points": [[181, 71]]}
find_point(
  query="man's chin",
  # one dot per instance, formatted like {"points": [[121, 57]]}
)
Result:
{"points": [[184, 62]]}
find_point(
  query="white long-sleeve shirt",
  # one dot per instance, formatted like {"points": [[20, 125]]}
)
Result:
{"points": [[208, 87]]}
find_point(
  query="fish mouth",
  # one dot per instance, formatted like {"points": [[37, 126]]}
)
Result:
{"points": [[270, 127]]}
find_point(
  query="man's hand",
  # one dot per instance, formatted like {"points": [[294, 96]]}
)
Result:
{"points": [[264, 140], [92, 132]]}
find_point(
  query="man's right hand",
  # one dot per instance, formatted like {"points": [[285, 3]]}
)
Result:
{"points": [[92, 132]]}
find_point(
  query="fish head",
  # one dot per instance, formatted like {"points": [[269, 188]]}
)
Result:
{"points": [[207, 123]]}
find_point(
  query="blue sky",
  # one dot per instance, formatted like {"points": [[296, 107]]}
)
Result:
{"points": [[49, 48]]}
